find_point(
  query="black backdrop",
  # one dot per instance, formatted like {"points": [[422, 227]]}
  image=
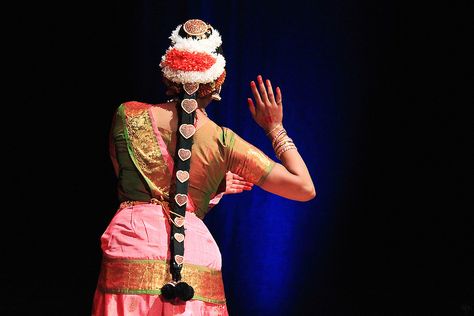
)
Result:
{"points": [[386, 139]]}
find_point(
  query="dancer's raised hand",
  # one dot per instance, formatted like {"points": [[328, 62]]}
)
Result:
{"points": [[267, 110]]}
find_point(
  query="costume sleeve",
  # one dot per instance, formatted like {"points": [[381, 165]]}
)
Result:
{"points": [[244, 159]]}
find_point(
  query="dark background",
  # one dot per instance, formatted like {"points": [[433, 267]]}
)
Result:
{"points": [[375, 96]]}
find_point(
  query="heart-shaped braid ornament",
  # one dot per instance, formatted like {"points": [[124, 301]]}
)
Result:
{"points": [[179, 259], [179, 237], [187, 130], [178, 221], [181, 199], [182, 176], [189, 105], [191, 87], [184, 154]]}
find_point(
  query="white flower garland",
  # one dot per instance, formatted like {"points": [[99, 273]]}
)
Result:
{"points": [[207, 45]]}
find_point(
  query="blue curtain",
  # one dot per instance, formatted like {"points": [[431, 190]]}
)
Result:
{"points": [[390, 232], [80, 60]]}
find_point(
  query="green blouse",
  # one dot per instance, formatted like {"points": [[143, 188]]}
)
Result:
{"points": [[142, 165]]}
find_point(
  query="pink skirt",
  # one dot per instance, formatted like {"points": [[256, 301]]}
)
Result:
{"points": [[135, 266]]}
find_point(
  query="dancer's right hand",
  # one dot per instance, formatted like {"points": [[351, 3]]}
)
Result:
{"points": [[236, 184], [267, 110]]}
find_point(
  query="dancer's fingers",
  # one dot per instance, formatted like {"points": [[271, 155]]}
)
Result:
{"points": [[271, 96], [251, 107], [256, 95], [236, 176], [263, 91], [240, 182], [279, 97], [241, 187]]}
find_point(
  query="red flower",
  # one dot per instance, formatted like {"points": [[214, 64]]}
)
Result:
{"points": [[188, 61]]}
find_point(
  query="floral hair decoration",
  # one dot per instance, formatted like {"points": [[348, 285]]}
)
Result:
{"points": [[195, 56]]}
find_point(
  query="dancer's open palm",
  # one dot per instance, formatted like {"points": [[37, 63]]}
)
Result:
{"points": [[267, 110]]}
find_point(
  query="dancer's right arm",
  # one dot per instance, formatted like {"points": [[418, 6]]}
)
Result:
{"points": [[291, 179]]}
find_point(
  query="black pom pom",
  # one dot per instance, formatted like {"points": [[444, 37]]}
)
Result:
{"points": [[168, 291], [184, 291]]}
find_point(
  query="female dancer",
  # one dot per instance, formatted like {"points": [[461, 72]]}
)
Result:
{"points": [[159, 258]]}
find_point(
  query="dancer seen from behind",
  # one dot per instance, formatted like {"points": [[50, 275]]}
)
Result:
{"points": [[173, 164]]}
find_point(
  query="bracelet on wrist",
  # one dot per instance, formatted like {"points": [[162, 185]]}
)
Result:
{"points": [[277, 126], [280, 135], [285, 149], [284, 146], [282, 143]]}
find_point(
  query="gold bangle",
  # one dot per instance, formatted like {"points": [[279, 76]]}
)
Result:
{"points": [[278, 138], [285, 150], [284, 146], [282, 142], [280, 135], [278, 125], [289, 144]]}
